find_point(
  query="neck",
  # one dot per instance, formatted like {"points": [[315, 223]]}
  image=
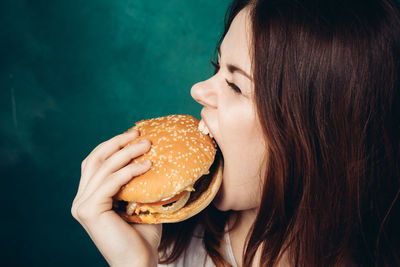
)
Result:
{"points": [[241, 221]]}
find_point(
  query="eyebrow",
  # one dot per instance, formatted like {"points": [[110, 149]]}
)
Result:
{"points": [[233, 68]]}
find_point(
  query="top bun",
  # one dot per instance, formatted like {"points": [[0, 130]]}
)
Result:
{"points": [[180, 153]]}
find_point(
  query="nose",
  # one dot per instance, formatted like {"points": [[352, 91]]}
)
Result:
{"points": [[205, 93]]}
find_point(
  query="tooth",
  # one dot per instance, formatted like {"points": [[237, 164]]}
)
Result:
{"points": [[206, 131], [203, 128]]}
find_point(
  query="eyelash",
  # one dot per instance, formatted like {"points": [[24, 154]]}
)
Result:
{"points": [[231, 85]]}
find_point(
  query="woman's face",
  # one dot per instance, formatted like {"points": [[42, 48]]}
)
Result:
{"points": [[230, 116]]}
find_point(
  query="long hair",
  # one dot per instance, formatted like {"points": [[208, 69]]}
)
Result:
{"points": [[327, 93]]}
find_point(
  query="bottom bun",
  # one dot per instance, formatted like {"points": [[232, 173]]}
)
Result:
{"points": [[193, 207]]}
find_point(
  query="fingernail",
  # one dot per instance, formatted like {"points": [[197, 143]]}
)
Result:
{"points": [[128, 133], [143, 141], [133, 132], [146, 163]]}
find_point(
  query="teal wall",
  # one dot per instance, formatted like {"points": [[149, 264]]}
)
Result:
{"points": [[74, 74]]}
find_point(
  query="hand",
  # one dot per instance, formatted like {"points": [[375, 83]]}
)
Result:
{"points": [[103, 172]]}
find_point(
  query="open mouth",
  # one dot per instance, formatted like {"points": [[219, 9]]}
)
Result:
{"points": [[203, 128]]}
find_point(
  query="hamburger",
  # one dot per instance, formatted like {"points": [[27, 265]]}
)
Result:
{"points": [[184, 178]]}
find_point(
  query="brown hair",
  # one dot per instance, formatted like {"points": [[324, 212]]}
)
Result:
{"points": [[327, 92]]}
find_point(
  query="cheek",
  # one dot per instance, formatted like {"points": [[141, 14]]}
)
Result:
{"points": [[243, 151], [236, 121], [240, 131]]}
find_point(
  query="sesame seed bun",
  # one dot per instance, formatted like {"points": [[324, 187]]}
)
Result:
{"points": [[185, 163]]}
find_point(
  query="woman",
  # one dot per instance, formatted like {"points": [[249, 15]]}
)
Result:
{"points": [[304, 106]]}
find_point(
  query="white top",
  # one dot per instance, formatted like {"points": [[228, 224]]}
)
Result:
{"points": [[195, 255]]}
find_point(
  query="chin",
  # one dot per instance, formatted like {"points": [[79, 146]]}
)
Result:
{"points": [[225, 202], [221, 202]]}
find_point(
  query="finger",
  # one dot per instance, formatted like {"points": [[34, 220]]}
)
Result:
{"points": [[116, 180], [81, 181], [109, 147], [93, 161], [110, 188], [83, 164], [123, 157], [120, 139], [115, 163]]}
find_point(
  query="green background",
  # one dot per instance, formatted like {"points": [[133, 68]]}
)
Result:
{"points": [[72, 75]]}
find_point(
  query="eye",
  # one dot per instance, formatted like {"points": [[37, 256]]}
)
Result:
{"points": [[234, 87], [231, 85], [216, 66]]}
